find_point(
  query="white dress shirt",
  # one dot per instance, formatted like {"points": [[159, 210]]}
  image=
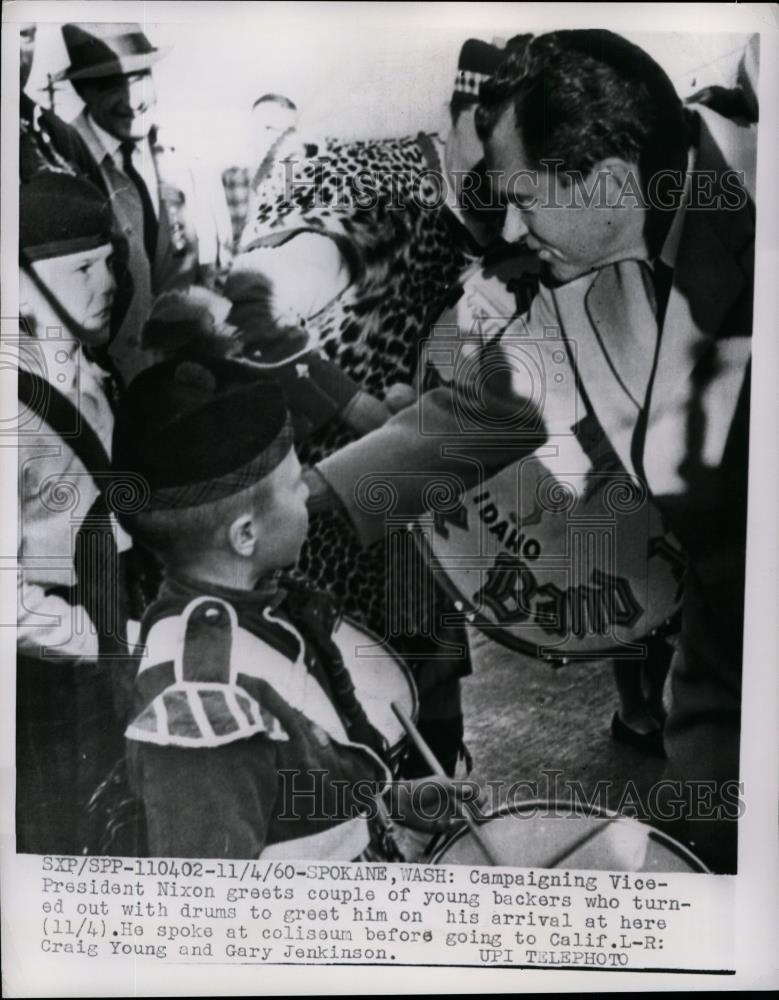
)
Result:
{"points": [[142, 160]]}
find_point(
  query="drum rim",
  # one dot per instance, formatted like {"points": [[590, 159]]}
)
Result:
{"points": [[395, 748], [512, 808], [504, 637]]}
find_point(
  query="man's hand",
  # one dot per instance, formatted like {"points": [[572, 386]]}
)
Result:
{"points": [[400, 395]]}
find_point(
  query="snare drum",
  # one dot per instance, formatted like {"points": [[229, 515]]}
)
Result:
{"points": [[552, 835], [379, 678], [561, 555], [555, 566]]}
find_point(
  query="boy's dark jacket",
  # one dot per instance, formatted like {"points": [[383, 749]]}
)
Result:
{"points": [[277, 738]]}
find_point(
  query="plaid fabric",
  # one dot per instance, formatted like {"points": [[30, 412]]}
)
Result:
{"points": [[468, 82], [237, 185], [210, 490]]}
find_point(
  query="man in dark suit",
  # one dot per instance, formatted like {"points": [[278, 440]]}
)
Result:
{"points": [[176, 223], [646, 237]]}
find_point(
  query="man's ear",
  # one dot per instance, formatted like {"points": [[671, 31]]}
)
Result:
{"points": [[243, 535]]}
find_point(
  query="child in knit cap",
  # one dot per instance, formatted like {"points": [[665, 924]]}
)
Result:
{"points": [[72, 596], [247, 736]]}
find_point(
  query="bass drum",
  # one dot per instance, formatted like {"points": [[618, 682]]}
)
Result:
{"points": [[379, 677], [555, 567], [561, 555], [540, 834]]}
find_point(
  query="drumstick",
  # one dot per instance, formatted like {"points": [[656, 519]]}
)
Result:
{"points": [[432, 762]]}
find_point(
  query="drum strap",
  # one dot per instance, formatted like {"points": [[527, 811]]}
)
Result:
{"points": [[308, 623], [308, 620], [100, 575], [56, 410]]}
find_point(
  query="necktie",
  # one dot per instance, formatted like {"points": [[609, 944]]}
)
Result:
{"points": [[150, 224]]}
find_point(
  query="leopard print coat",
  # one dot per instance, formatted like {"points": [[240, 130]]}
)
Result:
{"points": [[381, 201]]}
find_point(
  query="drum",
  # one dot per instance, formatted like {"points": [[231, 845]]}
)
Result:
{"points": [[562, 555], [554, 835], [379, 677]]}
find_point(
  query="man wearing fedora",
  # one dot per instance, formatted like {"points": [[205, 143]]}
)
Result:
{"points": [[177, 228]]}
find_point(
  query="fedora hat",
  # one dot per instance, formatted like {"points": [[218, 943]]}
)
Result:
{"points": [[98, 50]]}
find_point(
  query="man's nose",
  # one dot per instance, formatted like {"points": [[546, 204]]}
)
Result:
{"points": [[514, 227]]}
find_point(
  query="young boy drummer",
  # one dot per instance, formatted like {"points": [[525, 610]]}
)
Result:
{"points": [[247, 737], [73, 589]]}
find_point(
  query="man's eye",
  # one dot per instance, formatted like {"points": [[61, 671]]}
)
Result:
{"points": [[84, 268]]}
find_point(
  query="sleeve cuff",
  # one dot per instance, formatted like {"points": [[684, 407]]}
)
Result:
{"points": [[321, 497]]}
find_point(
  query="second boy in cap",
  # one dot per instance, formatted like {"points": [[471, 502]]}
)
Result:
{"points": [[247, 735]]}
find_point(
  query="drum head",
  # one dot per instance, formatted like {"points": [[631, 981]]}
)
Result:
{"points": [[562, 568], [554, 835], [379, 677], [561, 555]]}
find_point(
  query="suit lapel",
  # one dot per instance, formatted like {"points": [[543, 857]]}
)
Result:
{"points": [[593, 324], [125, 201], [83, 126], [686, 384], [706, 282], [125, 348], [163, 251], [620, 306], [704, 346]]}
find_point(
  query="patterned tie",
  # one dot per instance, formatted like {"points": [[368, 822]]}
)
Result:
{"points": [[150, 224]]}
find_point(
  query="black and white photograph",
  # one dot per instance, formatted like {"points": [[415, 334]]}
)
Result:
{"points": [[392, 503]]}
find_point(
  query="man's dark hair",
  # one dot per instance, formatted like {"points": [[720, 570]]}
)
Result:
{"points": [[582, 96], [285, 102]]}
